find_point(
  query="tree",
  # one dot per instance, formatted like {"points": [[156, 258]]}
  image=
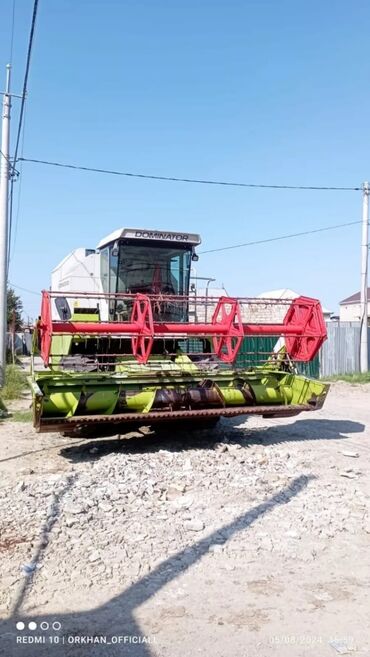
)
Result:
{"points": [[15, 309]]}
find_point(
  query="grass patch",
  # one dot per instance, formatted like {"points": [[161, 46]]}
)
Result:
{"points": [[20, 416], [357, 377], [15, 383]]}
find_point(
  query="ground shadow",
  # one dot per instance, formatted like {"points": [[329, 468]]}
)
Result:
{"points": [[180, 439], [36, 451], [41, 546], [117, 617], [315, 429]]}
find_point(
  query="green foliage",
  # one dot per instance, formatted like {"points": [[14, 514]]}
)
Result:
{"points": [[15, 382], [21, 416], [15, 309]]}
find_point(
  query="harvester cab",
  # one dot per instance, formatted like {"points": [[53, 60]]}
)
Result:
{"points": [[127, 262], [125, 342]]}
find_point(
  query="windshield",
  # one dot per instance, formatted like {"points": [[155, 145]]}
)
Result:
{"points": [[153, 269]]}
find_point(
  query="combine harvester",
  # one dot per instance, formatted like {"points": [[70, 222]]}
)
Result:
{"points": [[126, 341]]}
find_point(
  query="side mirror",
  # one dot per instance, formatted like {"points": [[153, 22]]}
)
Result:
{"points": [[194, 257]]}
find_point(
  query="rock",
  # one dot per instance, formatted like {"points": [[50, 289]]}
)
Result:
{"points": [[323, 596], [194, 525], [115, 497], [175, 491], [29, 568], [229, 566], [146, 430], [292, 534], [184, 502], [99, 569], [74, 509], [145, 568], [105, 507], [94, 556], [341, 647], [233, 447]]}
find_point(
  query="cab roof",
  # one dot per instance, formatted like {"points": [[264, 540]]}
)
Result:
{"points": [[152, 235]]}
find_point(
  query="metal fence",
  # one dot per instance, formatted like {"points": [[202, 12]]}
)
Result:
{"points": [[340, 353]]}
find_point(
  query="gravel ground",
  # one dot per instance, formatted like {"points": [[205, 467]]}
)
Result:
{"points": [[252, 539]]}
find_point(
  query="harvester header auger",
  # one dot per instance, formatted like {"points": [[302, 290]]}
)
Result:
{"points": [[137, 346]]}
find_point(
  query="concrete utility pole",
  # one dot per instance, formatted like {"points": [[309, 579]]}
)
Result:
{"points": [[4, 193], [364, 279]]}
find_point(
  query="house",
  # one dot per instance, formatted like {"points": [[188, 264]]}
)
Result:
{"points": [[203, 302], [286, 293], [350, 308]]}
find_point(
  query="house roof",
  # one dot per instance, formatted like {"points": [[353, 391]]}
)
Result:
{"points": [[355, 298], [282, 293], [212, 292], [286, 293]]}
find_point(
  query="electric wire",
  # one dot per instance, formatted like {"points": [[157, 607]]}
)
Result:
{"points": [[21, 116], [197, 181], [26, 74], [14, 171], [236, 246], [281, 237], [11, 250], [24, 289]]}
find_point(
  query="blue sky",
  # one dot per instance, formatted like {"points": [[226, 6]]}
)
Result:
{"points": [[252, 91]]}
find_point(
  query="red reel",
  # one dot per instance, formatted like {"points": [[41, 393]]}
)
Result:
{"points": [[306, 314], [142, 316], [227, 318]]}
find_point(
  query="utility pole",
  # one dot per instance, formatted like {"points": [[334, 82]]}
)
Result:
{"points": [[364, 279], [4, 193]]}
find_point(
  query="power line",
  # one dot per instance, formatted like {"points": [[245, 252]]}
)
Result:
{"points": [[14, 171], [24, 289], [281, 237], [21, 113], [11, 250], [237, 246], [198, 181], [26, 74]]}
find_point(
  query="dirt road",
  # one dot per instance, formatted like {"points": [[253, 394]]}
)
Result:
{"points": [[250, 540]]}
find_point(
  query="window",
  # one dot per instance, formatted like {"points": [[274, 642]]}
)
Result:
{"points": [[153, 269], [104, 269]]}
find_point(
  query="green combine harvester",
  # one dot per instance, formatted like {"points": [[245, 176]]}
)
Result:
{"points": [[126, 342]]}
